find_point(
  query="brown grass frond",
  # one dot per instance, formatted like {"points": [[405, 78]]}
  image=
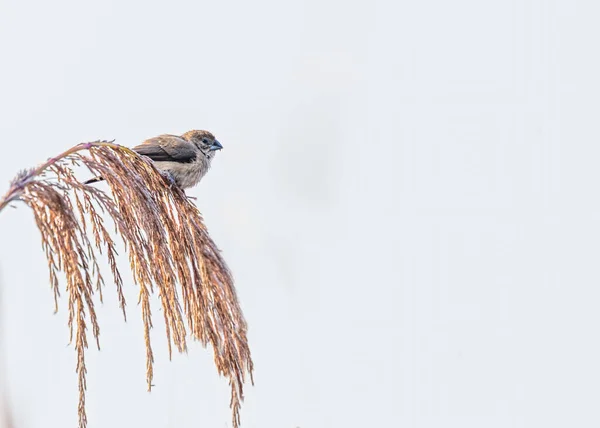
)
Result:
{"points": [[169, 250]]}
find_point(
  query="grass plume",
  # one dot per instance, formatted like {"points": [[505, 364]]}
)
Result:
{"points": [[169, 250]]}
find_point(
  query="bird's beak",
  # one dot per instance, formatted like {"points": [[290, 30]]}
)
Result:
{"points": [[216, 146]]}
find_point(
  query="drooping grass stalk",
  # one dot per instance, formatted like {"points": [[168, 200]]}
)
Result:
{"points": [[168, 246]]}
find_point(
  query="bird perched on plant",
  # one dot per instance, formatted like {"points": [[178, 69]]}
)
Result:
{"points": [[183, 159]]}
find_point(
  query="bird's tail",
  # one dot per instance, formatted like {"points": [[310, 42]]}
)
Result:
{"points": [[93, 180]]}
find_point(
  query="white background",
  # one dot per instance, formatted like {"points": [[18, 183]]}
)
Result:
{"points": [[408, 199]]}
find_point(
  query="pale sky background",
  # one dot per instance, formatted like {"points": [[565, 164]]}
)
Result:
{"points": [[408, 199]]}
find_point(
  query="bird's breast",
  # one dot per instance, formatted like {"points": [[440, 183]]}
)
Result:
{"points": [[185, 174]]}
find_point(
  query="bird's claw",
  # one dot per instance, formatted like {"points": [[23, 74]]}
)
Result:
{"points": [[168, 177]]}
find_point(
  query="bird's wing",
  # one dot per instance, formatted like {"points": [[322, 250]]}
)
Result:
{"points": [[167, 148]]}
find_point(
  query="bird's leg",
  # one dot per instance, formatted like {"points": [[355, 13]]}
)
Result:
{"points": [[172, 183], [169, 178]]}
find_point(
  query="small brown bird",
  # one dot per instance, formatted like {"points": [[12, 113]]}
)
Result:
{"points": [[183, 159]]}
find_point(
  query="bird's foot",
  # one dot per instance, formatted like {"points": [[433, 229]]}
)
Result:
{"points": [[190, 197], [169, 178]]}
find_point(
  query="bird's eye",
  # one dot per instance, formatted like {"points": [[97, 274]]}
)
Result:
{"points": [[205, 140]]}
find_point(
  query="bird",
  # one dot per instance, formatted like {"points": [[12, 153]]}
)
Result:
{"points": [[183, 159]]}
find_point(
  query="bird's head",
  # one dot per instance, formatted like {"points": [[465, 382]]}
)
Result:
{"points": [[204, 140]]}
